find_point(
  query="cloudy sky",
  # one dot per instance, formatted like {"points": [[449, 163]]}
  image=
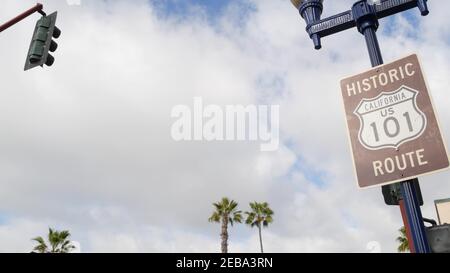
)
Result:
{"points": [[85, 145]]}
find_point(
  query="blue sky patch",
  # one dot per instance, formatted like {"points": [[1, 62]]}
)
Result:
{"points": [[390, 25], [312, 174], [212, 9], [4, 218]]}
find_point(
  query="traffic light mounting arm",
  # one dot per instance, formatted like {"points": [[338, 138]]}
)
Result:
{"points": [[37, 8]]}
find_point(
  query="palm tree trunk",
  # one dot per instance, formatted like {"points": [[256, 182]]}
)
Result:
{"points": [[260, 238], [224, 234]]}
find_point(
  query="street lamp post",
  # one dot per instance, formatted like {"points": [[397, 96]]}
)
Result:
{"points": [[364, 16]]}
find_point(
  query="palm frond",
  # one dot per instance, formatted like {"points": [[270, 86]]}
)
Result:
{"points": [[403, 241], [58, 241], [260, 214], [215, 217], [237, 216]]}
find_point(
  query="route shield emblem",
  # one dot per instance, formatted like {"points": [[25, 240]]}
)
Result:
{"points": [[390, 119]]}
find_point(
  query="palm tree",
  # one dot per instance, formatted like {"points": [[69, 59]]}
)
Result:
{"points": [[225, 212], [403, 240], [58, 242], [260, 216]]}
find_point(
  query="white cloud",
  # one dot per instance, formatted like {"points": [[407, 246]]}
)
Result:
{"points": [[86, 143], [16, 235]]}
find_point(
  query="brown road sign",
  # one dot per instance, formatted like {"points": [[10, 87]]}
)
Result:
{"points": [[393, 130]]}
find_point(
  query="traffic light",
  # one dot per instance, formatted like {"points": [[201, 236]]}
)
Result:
{"points": [[392, 193], [42, 42]]}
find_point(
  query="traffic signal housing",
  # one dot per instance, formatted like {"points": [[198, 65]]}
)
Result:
{"points": [[42, 42], [392, 193]]}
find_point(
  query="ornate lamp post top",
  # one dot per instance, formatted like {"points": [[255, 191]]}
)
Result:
{"points": [[317, 28]]}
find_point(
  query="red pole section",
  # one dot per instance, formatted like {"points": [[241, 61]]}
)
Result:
{"points": [[406, 225], [22, 16]]}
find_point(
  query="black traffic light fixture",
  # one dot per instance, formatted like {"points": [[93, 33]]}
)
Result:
{"points": [[42, 42], [392, 193]]}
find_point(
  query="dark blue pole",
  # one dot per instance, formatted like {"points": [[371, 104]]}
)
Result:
{"points": [[372, 45], [368, 26]]}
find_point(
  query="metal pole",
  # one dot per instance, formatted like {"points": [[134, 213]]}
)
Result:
{"points": [[401, 204], [372, 45], [414, 221], [20, 17]]}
